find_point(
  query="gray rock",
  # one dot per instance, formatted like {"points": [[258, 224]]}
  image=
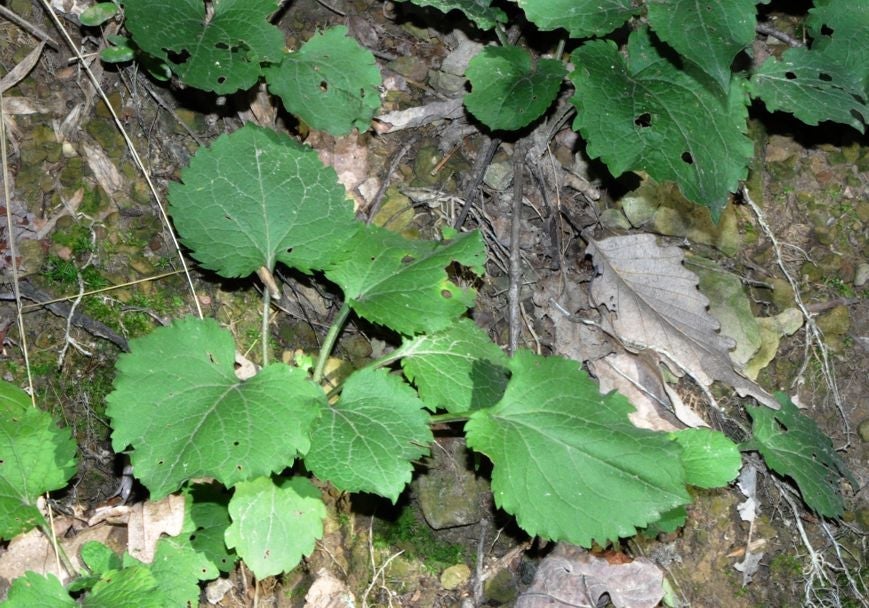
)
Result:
{"points": [[449, 493]]}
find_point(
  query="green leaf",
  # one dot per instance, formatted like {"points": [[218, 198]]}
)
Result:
{"points": [[838, 30], [792, 445], [132, 587], [581, 18], [257, 197], [331, 83], [178, 568], [178, 403], [567, 462], [222, 52], [368, 440], [273, 526], [98, 13], [117, 54], [479, 11], [99, 558], [828, 82], [458, 369], [647, 115], [403, 284], [708, 33], [812, 87], [35, 457], [209, 519], [669, 523], [509, 91], [33, 589], [711, 460]]}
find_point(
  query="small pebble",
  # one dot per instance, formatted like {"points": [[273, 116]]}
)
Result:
{"points": [[861, 277], [455, 576]]}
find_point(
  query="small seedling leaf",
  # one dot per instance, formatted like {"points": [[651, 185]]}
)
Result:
{"points": [[458, 369], [222, 52], [711, 460], [792, 445], [98, 13], [581, 18], [403, 283], [117, 54], [255, 198], [331, 83], [368, 440], [644, 114], [567, 462], [35, 456], [709, 33], [33, 589], [508, 90], [178, 403], [274, 526]]}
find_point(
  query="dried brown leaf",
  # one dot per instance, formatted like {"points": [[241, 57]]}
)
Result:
{"points": [[570, 576], [656, 305]]}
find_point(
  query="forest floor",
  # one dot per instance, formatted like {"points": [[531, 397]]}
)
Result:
{"points": [[92, 240]]}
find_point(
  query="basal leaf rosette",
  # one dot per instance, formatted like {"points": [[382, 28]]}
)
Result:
{"points": [[458, 369], [275, 524], [645, 114], [367, 442], [567, 462], [36, 456], [178, 403], [331, 83], [403, 283], [510, 90], [255, 198], [222, 52]]}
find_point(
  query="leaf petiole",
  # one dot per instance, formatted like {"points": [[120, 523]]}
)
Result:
{"points": [[329, 341]]}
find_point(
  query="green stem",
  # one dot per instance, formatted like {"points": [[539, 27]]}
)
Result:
{"points": [[329, 341], [559, 50], [267, 302], [443, 418]]}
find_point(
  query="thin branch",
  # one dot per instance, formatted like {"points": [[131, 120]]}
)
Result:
{"points": [[484, 157], [514, 315], [29, 27], [768, 30], [374, 207]]}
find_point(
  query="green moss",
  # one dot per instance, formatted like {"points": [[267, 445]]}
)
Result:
{"points": [[410, 533], [76, 236], [785, 565]]}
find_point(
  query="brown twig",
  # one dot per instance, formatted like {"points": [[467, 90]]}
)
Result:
{"points": [[63, 309], [484, 157], [515, 253], [768, 30], [374, 207], [29, 27]]}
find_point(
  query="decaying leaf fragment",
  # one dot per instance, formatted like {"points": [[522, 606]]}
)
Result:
{"points": [[571, 576], [656, 306]]}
